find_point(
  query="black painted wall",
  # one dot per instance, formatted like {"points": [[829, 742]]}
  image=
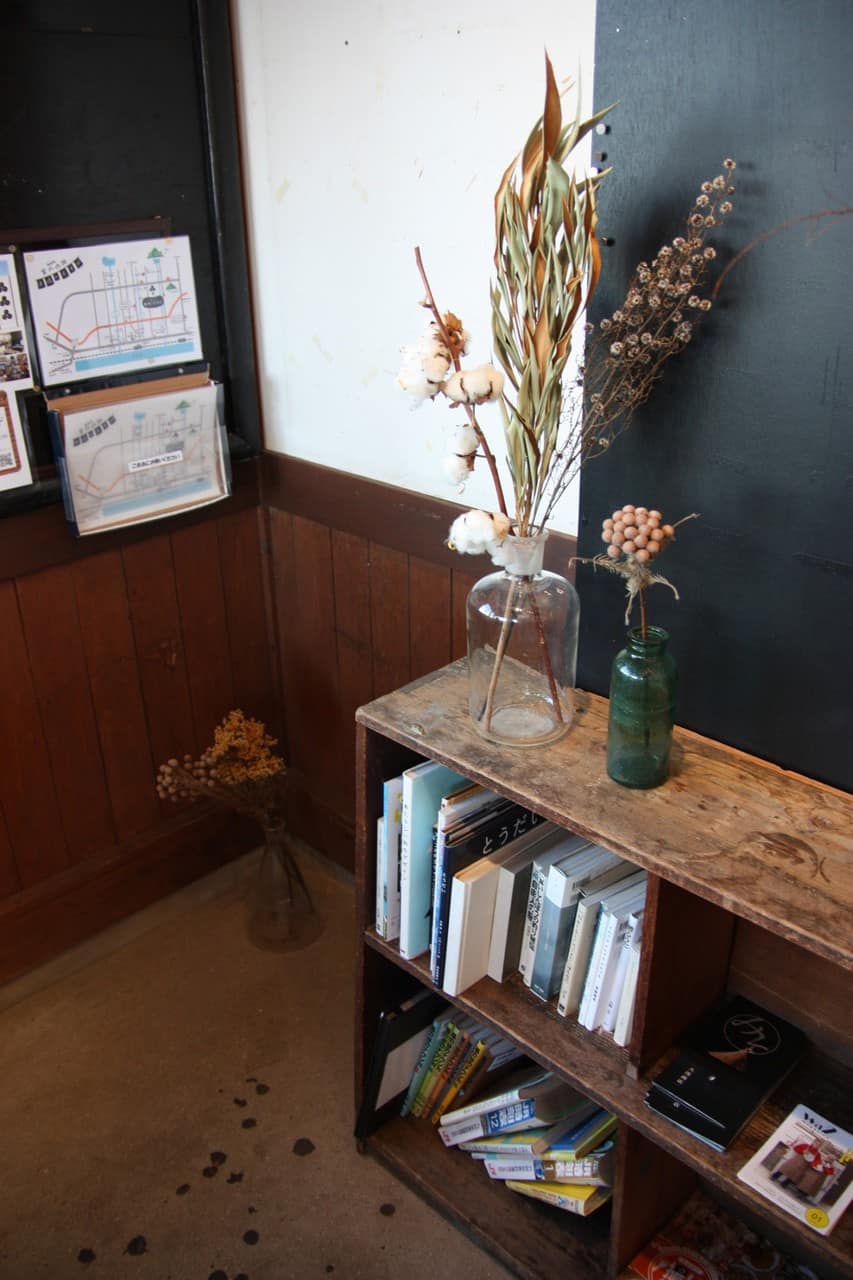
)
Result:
{"points": [[752, 424], [117, 112]]}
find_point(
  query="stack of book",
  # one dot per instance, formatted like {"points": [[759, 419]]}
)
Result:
{"points": [[487, 888], [540, 1137], [459, 1058]]}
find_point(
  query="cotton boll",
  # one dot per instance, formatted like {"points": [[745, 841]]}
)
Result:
{"points": [[463, 440], [457, 469], [413, 381], [476, 531], [474, 386], [435, 368]]}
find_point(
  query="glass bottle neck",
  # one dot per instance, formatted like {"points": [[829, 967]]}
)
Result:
{"points": [[654, 641]]}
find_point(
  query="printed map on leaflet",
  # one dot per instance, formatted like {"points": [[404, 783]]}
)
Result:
{"points": [[113, 308]]}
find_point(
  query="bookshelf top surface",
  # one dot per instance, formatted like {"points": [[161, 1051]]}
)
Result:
{"points": [[766, 844]]}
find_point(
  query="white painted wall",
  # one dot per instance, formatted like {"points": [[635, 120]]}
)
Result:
{"points": [[370, 127]]}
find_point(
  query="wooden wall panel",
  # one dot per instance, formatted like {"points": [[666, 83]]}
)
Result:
{"points": [[27, 794], [104, 614], [9, 881], [54, 643], [461, 584], [243, 562], [351, 575], [389, 612], [156, 624], [429, 617], [204, 631]]}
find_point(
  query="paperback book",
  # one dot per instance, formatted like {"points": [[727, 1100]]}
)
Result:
{"points": [[806, 1168], [567, 1139], [579, 1199], [594, 1170], [538, 1106], [736, 1056], [423, 786]]}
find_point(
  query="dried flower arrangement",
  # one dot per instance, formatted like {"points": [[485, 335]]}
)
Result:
{"points": [[635, 537], [547, 265], [240, 769]]}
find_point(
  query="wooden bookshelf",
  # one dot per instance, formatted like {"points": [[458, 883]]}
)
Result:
{"points": [[745, 861]]}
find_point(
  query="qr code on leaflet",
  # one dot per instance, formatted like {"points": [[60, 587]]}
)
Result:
{"points": [[6, 461]]}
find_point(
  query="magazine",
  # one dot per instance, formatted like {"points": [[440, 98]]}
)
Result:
{"points": [[706, 1242], [806, 1168]]}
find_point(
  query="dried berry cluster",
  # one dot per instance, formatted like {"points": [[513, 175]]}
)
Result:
{"points": [[636, 532], [240, 770], [656, 319]]}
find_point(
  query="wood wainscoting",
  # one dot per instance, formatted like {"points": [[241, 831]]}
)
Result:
{"points": [[366, 596], [119, 651]]}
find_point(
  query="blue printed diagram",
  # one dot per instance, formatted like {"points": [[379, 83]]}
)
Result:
{"points": [[143, 459], [115, 308]]}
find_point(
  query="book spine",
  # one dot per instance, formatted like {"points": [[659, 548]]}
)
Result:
{"points": [[524, 1170], [608, 1020], [393, 818], [581, 1205], [468, 1067], [458, 1051], [443, 1051], [421, 1069], [482, 1126], [574, 969], [505, 1099], [625, 1014], [405, 863], [531, 923], [597, 970], [381, 880]]}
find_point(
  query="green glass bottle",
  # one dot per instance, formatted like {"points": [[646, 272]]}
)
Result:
{"points": [[642, 701]]}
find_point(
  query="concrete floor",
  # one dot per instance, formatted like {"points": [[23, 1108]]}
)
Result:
{"points": [[158, 1086]]}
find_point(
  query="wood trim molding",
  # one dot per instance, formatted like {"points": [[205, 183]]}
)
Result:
{"points": [[397, 518], [35, 540]]}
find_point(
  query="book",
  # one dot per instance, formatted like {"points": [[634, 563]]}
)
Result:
{"points": [[542, 863], [423, 786], [528, 1082], [538, 1111], [392, 813], [443, 1050], [513, 890], [627, 928], [470, 917], [583, 933], [806, 1168], [595, 1170], [612, 913], [566, 1139], [732, 1058], [489, 830], [453, 809], [400, 1038], [559, 905], [628, 997], [705, 1242], [430, 1044], [579, 1199], [381, 879]]}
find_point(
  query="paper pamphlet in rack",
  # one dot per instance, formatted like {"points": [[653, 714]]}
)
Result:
{"points": [[15, 375], [132, 454], [113, 308]]}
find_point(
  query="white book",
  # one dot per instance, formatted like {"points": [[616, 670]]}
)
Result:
{"points": [[472, 908], [463, 803], [583, 933], [381, 879], [622, 948], [544, 860], [511, 896], [628, 998], [392, 805], [423, 786], [612, 911], [562, 888]]}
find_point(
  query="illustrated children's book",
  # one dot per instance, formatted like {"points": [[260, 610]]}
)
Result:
{"points": [[806, 1168]]}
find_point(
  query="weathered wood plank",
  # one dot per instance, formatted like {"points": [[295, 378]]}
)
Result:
{"points": [[249, 636], [429, 616], [57, 661], [766, 844], [389, 612], [351, 575], [104, 613], [27, 794], [198, 582], [156, 622], [461, 584]]}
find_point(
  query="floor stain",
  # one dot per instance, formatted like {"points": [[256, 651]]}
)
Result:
{"points": [[210, 1171], [303, 1147], [387, 1210], [182, 1189], [249, 1123], [250, 1237], [218, 1157], [137, 1246], [235, 1177], [86, 1255]]}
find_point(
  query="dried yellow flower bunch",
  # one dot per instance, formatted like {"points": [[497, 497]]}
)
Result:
{"points": [[240, 770]]}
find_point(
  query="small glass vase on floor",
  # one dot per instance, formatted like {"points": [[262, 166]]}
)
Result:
{"points": [[282, 915], [522, 648], [642, 702]]}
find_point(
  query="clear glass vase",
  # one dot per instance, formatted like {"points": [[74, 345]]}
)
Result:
{"points": [[282, 914], [642, 703], [522, 648]]}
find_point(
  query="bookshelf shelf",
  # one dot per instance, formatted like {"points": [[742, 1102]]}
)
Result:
{"points": [[750, 887]]}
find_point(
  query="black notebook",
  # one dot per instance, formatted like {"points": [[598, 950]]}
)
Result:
{"points": [[732, 1058]]}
